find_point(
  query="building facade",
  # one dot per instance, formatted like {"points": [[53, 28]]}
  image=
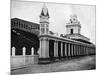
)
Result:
{"points": [[53, 47], [35, 39]]}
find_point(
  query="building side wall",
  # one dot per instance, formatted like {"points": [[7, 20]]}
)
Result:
{"points": [[23, 61]]}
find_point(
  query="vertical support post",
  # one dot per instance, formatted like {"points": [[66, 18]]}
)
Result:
{"points": [[65, 50], [55, 49], [32, 51], [47, 41], [61, 49], [69, 49], [40, 49], [77, 49], [13, 51], [72, 49], [44, 48], [24, 51]]}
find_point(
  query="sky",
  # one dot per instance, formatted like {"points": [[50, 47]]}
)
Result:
{"points": [[59, 15]]}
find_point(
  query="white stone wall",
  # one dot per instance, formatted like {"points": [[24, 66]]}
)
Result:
{"points": [[23, 61], [76, 29]]}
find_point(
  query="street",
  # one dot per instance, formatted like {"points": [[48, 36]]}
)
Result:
{"points": [[74, 64]]}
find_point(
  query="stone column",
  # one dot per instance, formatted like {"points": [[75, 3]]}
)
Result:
{"points": [[32, 51], [80, 50], [44, 48], [68, 49], [65, 50], [55, 52], [61, 49], [72, 49], [13, 51], [85, 50], [77, 50], [47, 47], [40, 49], [24, 51], [57, 47]]}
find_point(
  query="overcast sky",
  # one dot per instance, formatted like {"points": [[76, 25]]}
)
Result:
{"points": [[59, 15]]}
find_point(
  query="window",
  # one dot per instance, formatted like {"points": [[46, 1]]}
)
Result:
{"points": [[47, 30], [42, 30], [71, 31]]}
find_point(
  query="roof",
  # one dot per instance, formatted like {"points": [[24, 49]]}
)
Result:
{"points": [[84, 41], [44, 11], [24, 21]]}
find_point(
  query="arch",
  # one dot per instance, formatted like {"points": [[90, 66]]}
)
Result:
{"points": [[24, 39]]}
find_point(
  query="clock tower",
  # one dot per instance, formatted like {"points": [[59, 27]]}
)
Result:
{"points": [[44, 21]]}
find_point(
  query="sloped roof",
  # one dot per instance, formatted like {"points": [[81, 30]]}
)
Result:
{"points": [[24, 21]]}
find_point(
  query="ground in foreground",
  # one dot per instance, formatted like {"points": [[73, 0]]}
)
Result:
{"points": [[74, 64]]}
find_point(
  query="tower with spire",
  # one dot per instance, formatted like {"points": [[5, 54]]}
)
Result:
{"points": [[44, 21]]}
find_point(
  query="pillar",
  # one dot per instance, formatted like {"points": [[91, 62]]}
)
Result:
{"points": [[77, 50], [61, 49], [40, 49], [24, 51], [32, 51], [13, 51], [80, 50], [65, 50], [57, 47], [44, 48], [55, 52], [72, 49], [68, 49]]}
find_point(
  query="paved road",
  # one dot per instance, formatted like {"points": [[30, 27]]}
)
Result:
{"points": [[83, 63]]}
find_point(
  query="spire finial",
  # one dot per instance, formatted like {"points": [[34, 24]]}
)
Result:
{"points": [[44, 11], [44, 5]]}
